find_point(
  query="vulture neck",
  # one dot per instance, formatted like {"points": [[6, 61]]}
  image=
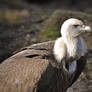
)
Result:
{"points": [[68, 50], [69, 47], [73, 45]]}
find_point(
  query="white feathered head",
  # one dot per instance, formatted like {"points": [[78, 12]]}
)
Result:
{"points": [[73, 27]]}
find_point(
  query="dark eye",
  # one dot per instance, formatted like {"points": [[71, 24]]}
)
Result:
{"points": [[76, 25]]}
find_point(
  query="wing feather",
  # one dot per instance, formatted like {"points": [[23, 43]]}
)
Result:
{"points": [[26, 66]]}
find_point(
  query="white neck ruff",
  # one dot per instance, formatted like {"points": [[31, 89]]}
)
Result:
{"points": [[66, 47]]}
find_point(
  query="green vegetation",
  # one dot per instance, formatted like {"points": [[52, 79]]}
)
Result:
{"points": [[50, 33], [13, 16]]}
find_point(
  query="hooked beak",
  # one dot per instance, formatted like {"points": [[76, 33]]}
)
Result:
{"points": [[86, 28], [83, 28]]}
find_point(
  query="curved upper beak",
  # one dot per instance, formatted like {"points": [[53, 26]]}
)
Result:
{"points": [[86, 28]]}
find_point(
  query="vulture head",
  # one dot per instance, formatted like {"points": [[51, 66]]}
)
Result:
{"points": [[73, 28]]}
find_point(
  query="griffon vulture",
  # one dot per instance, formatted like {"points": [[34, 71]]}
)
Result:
{"points": [[49, 66]]}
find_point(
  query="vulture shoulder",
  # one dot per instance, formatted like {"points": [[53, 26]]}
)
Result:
{"points": [[26, 66]]}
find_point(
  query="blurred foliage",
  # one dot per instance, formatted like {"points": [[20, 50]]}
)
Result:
{"points": [[13, 16], [50, 33]]}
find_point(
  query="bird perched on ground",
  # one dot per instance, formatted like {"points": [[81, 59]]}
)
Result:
{"points": [[49, 66]]}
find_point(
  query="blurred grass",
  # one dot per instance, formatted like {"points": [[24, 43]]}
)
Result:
{"points": [[13, 16], [50, 33]]}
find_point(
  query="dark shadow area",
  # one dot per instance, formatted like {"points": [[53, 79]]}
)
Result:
{"points": [[39, 1], [32, 56]]}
